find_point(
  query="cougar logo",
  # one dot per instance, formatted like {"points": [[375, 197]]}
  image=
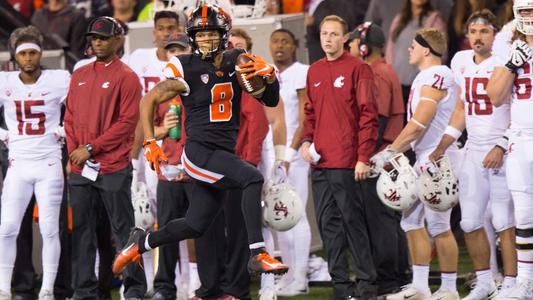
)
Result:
{"points": [[280, 208], [392, 196], [433, 199], [339, 82]]}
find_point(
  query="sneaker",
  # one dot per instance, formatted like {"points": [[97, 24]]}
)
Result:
{"points": [[46, 295], [409, 292], [504, 291], [317, 269], [268, 293], [293, 289], [5, 295], [130, 252], [445, 294], [264, 263], [482, 291], [523, 290]]}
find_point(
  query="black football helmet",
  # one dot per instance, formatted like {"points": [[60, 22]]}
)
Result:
{"points": [[208, 17]]}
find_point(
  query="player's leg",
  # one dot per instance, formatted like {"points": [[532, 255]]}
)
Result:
{"points": [[419, 248], [16, 194], [295, 243], [330, 226], [172, 202], [474, 195], [49, 195], [503, 222]]}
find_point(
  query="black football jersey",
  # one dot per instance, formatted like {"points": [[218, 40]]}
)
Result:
{"points": [[213, 106]]}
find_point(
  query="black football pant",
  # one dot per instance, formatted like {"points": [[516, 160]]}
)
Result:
{"points": [[222, 253], [215, 172], [172, 202], [114, 192], [388, 246], [340, 213]]}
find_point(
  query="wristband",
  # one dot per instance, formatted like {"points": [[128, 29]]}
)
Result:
{"points": [[503, 143], [279, 151], [453, 132]]}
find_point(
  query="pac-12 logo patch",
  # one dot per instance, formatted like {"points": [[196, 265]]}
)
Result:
{"points": [[204, 78]]}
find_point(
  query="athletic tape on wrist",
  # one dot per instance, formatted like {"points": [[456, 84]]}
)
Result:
{"points": [[453, 132]]}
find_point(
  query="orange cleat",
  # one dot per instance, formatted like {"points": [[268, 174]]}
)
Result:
{"points": [[130, 252], [264, 263]]}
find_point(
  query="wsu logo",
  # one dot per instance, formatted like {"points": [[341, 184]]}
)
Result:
{"points": [[392, 196], [280, 208]]}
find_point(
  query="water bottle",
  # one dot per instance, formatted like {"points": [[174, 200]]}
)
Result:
{"points": [[175, 132]]}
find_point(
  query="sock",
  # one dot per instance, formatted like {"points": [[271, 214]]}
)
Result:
{"points": [[421, 277], [194, 279], [525, 256], [257, 248], [484, 276], [509, 281], [448, 281]]}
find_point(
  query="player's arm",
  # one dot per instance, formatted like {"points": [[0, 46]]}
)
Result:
{"points": [[276, 119], [501, 81], [299, 132], [500, 84], [425, 111], [309, 125], [258, 66], [454, 130]]}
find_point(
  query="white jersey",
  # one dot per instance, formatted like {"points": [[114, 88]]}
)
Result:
{"points": [[292, 80], [484, 122], [440, 77], [148, 67], [502, 42], [32, 113]]}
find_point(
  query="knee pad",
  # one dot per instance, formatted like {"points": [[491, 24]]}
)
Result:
{"points": [[9, 230], [470, 225], [434, 229], [409, 224]]}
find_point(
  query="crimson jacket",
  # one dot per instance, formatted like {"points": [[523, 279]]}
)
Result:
{"points": [[103, 109], [252, 130], [341, 117], [172, 148]]}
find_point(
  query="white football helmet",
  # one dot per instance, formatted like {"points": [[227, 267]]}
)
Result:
{"points": [[523, 24], [142, 208], [282, 207], [437, 186], [397, 188]]}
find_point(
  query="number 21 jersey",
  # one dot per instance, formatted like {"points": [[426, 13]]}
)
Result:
{"points": [[32, 113]]}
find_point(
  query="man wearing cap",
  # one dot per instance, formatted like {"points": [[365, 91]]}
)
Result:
{"points": [[100, 118], [389, 246]]}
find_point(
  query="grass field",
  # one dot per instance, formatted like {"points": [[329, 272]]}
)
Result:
{"points": [[325, 293]]}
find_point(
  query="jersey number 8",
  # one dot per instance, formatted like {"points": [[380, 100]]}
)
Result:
{"points": [[220, 109]]}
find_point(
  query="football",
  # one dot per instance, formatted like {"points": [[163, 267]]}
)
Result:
{"points": [[254, 86]]}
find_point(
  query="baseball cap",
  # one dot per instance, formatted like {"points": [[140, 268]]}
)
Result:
{"points": [[179, 39], [105, 26], [374, 36]]}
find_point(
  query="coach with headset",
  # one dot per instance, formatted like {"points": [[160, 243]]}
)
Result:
{"points": [[388, 242], [102, 110]]}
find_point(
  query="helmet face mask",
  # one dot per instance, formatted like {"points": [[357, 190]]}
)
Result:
{"points": [[524, 24], [208, 18]]}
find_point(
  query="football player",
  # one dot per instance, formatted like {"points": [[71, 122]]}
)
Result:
{"points": [[513, 76], [32, 99], [212, 108], [482, 179], [430, 105]]}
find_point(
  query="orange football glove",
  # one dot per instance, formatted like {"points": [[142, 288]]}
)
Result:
{"points": [[154, 155], [257, 67]]}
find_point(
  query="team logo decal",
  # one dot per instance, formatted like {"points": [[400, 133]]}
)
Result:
{"points": [[392, 196], [204, 78], [281, 209], [339, 82]]}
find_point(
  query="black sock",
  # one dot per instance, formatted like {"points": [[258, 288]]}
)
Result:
{"points": [[251, 210], [175, 231]]}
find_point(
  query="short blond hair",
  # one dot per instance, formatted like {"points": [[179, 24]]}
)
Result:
{"points": [[435, 38], [335, 18]]}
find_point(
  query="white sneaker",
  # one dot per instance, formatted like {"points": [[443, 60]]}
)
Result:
{"points": [[523, 290], [5, 295], [409, 292], [504, 292], [268, 293], [485, 290], [445, 294], [46, 295], [317, 269], [293, 289]]}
